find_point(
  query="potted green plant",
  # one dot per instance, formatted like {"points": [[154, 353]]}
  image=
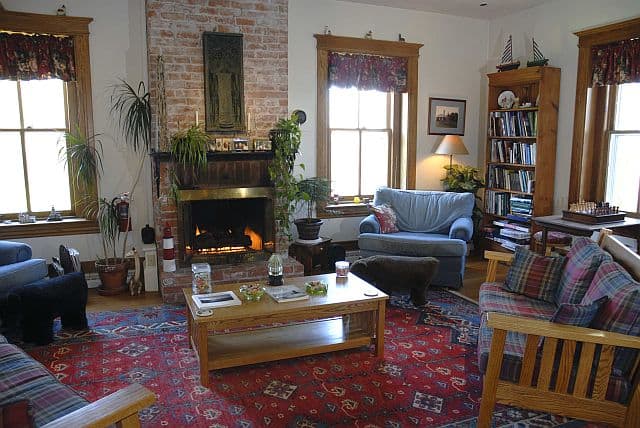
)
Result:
{"points": [[462, 179], [285, 141], [189, 150], [311, 192]]}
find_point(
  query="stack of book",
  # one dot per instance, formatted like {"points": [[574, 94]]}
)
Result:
{"points": [[512, 233], [521, 205], [513, 152], [513, 124]]}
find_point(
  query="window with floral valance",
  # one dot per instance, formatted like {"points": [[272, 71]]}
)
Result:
{"points": [[616, 63], [36, 57], [368, 72]]}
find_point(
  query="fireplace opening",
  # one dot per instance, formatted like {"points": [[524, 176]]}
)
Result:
{"points": [[222, 231]]}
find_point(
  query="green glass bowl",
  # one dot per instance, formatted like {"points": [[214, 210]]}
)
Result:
{"points": [[316, 288], [252, 292]]}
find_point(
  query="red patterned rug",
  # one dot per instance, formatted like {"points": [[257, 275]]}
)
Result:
{"points": [[428, 377]]}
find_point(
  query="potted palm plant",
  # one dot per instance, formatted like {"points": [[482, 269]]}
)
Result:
{"points": [[189, 150], [311, 192]]}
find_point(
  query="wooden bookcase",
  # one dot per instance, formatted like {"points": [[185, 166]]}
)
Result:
{"points": [[520, 156]]}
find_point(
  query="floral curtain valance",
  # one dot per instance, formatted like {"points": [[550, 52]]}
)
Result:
{"points": [[368, 72], [616, 63], [36, 57]]}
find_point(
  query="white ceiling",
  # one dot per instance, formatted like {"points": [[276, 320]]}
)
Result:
{"points": [[470, 8]]}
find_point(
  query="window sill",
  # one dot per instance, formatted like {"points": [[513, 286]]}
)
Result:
{"points": [[43, 228], [344, 210]]}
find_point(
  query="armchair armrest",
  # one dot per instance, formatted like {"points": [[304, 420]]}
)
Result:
{"points": [[494, 258], [461, 228], [120, 407], [14, 252], [369, 224]]}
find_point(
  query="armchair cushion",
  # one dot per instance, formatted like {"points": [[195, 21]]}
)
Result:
{"points": [[370, 225], [14, 252], [412, 244], [583, 261], [461, 228], [579, 315], [533, 275], [386, 217]]}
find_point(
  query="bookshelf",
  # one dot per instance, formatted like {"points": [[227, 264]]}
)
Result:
{"points": [[520, 156]]}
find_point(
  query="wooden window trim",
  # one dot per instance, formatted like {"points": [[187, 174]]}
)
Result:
{"points": [[586, 40], [82, 117], [326, 44]]}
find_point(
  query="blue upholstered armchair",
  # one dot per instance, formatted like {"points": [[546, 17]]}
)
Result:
{"points": [[431, 224], [17, 267]]}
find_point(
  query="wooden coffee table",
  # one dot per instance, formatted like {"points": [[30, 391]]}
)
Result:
{"points": [[344, 318]]}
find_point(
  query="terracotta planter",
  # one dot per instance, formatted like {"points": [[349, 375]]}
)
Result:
{"points": [[113, 278], [308, 228]]}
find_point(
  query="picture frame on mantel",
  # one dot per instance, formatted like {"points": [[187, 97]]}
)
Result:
{"points": [[223, 82], [446, 116]]}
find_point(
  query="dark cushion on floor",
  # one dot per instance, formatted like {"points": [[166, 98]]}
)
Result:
{"points": [[391, 273]]}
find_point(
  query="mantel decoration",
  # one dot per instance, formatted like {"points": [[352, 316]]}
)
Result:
{"points": [[223, 82], [446, 116]]}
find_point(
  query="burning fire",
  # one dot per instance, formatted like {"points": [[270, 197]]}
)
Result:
{"points": [[256, 239]]}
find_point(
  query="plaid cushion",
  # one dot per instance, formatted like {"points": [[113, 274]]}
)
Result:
{"points": [[513, 351], [22, 377], [578, 315], [583, 261], [387, 218], [493, 297], [534, 275]]}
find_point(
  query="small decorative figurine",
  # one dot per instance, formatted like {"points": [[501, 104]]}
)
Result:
{"points": [[327, 32], [54, 215], [400, 38], [538, 58], [369, 35], [61, 11], [507, 57]]}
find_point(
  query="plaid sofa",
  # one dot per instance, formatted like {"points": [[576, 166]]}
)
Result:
{"points": [[589, 273], [23, 378]]}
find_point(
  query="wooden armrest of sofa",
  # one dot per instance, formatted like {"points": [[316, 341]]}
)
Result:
{"points": [[568, 395], [494, 258], [120, 408]]}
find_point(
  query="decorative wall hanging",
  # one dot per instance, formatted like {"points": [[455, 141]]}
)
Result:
{"points": [[223, 82]]}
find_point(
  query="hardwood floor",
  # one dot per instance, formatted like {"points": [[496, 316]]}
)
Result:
{"points": [[474, 276]]}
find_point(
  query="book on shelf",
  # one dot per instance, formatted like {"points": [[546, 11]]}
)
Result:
{"points": [[216, 300], [513, 124], [520, 218], [287, 293], [515, 226], [505, 243], [515, 234], [512, 152]]}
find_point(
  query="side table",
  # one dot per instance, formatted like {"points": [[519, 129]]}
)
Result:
{"points": [[313, 256]]}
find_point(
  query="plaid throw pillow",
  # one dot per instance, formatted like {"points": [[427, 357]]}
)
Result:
{"points": [[386, 216], [577, 314], [583, 261], [533, 275]]}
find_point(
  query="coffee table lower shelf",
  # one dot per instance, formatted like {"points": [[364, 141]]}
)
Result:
{"points": [[281, 342]]}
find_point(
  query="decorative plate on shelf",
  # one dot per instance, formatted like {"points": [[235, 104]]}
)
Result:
{"points": [[506, 99]]}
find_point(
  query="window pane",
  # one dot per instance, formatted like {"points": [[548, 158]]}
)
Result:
{"points": [[627, 107], [343, 108], [48, 178], [373, 110], [43, 103], [9, 112], [623, 175], [13, 197], [375, 158], [344, 162]]}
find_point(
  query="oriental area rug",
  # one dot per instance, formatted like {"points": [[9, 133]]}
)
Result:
{"points": [[427, 378]]}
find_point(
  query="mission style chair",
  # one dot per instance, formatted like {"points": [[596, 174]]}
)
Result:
{"points": [[554, 383]]}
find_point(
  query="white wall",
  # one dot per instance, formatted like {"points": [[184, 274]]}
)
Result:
{"points": [[552, 25], [118, 50], [451, 65]]}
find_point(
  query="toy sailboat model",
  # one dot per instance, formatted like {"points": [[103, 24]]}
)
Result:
{"points": [[507, 58], [538, 58]]}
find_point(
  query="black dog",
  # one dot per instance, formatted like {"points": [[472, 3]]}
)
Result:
{"points": [[391, 273]]}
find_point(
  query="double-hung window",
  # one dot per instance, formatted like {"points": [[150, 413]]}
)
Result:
{"points": [[623, 175], [33, 120]]}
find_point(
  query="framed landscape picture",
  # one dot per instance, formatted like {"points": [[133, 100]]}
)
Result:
{"points": [[446, 116]]}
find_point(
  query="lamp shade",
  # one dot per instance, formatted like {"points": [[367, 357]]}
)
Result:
{"points": [[451, 145]]}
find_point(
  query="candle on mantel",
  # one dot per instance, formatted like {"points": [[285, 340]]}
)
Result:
{"points": [[197, 118], [249, 122]]}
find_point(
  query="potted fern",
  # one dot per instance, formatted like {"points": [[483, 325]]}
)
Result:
{"points": [[311, 192], [189, 150]]}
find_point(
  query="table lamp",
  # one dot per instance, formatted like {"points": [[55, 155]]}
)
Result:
{"points": [[451, 145]]}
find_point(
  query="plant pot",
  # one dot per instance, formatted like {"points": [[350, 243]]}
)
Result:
{"points": [[113, 277], [308, 228]]}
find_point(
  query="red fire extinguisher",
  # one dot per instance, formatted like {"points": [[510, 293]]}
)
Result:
{"points": [[121, 204]]}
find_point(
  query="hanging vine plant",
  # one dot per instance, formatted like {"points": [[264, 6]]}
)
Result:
{"points": [[285, 141]]}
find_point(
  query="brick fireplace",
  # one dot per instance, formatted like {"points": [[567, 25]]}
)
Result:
{"points": [[233, 182]]}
